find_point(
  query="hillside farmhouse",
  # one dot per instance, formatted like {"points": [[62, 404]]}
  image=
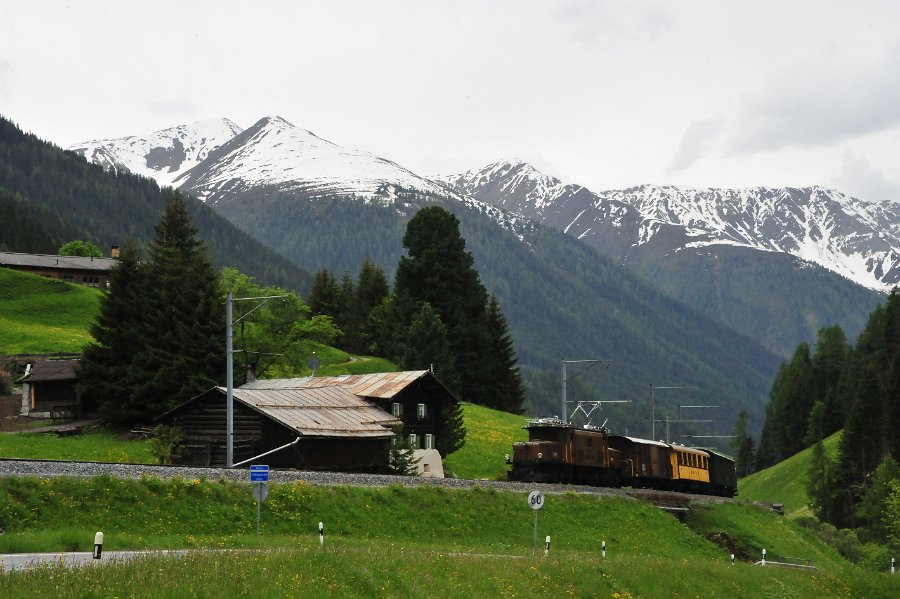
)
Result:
{"points": [[344, 423], [90, 271]]}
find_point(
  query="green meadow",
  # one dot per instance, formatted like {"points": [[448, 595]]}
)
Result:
{"points": [[41, 315]]}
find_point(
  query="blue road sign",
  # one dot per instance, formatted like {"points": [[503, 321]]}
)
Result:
{"points": [[259, 474]]}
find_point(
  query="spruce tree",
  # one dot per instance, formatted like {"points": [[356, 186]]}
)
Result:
{"points": [[821, 486], [438, 270], [508, 388], [828, 361], [324, 294], [183, 327], [106, 378], [371, 289], [742, 445], [427, 347]]}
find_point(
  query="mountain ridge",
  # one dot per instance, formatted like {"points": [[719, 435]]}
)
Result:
{"points": [[820, 225]]}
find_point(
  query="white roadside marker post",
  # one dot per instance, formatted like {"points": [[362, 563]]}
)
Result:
{"points": [[603, 549], [98, 545], [764, 557], [321, 534], [732, 559], [892, 565], [547, 546]]}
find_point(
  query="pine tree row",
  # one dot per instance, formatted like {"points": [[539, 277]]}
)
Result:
{"points": [[841, 386], [438, 315]]}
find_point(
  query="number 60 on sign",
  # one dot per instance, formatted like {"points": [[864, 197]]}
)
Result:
{"points": [[536, 500]]}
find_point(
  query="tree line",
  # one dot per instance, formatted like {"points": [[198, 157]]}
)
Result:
{"points": [[838, 386], [438, 315]]}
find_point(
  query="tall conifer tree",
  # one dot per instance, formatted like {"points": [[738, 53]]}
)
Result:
{"points": [[105, 378], [183, 329], [508, 388], [440, 271]]}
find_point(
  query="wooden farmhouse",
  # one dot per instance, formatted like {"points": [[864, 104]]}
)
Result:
{"points": [[344, 423], [48, 389], [90, 271]]}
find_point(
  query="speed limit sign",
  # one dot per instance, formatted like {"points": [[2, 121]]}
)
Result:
{"points": [[536, 500]]}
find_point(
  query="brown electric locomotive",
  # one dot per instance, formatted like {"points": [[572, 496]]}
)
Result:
{"points": [[557, 451]]}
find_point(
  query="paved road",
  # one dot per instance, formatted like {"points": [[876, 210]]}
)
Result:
{"points": [[26, 561]]}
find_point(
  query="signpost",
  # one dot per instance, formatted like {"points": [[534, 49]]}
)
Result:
{"points": [[536, 501], [260, 476]]}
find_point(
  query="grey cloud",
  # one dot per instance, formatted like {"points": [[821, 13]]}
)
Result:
{"points": [[695, 141], [810, 105], [859, 178]]}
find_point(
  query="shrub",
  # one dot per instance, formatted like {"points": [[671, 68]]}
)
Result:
{"points": [[165, 445]]}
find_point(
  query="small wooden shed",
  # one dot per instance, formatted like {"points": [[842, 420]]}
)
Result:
{"points": [[48, 389]]}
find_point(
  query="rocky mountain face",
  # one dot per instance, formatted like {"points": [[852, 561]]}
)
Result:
{"points": [[776, 264]]}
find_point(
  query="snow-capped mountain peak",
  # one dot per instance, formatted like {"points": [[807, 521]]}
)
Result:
{"points": [[857, 239], [217, 163], [512, 184], [163, 155], [275, 154]]}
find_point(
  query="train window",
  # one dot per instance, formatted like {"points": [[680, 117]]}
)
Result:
{"points": [[590, 441]]}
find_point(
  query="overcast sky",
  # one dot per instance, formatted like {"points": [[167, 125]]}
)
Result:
{"points": [[602, 93]]}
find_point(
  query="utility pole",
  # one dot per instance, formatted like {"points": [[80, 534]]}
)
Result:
{"points": [[229, 366]]}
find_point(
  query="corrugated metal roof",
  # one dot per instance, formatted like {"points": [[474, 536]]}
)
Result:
{"points": [[52, 261], [320, 411], [51, 370], [382, 385]]}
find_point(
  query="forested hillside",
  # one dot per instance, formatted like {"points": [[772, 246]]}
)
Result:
{"points": [[853, 387], [562, 300], [49, 196]]}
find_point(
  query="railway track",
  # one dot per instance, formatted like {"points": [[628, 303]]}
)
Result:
{"points": [[51, 468]]}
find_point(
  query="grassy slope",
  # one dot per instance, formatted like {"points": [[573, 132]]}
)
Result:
{"points": [[489, 436], [41, 315], [399, 541], [786, 482]]}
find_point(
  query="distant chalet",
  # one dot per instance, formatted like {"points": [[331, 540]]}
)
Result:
{"points": [[344, 423], [90, 271]]}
